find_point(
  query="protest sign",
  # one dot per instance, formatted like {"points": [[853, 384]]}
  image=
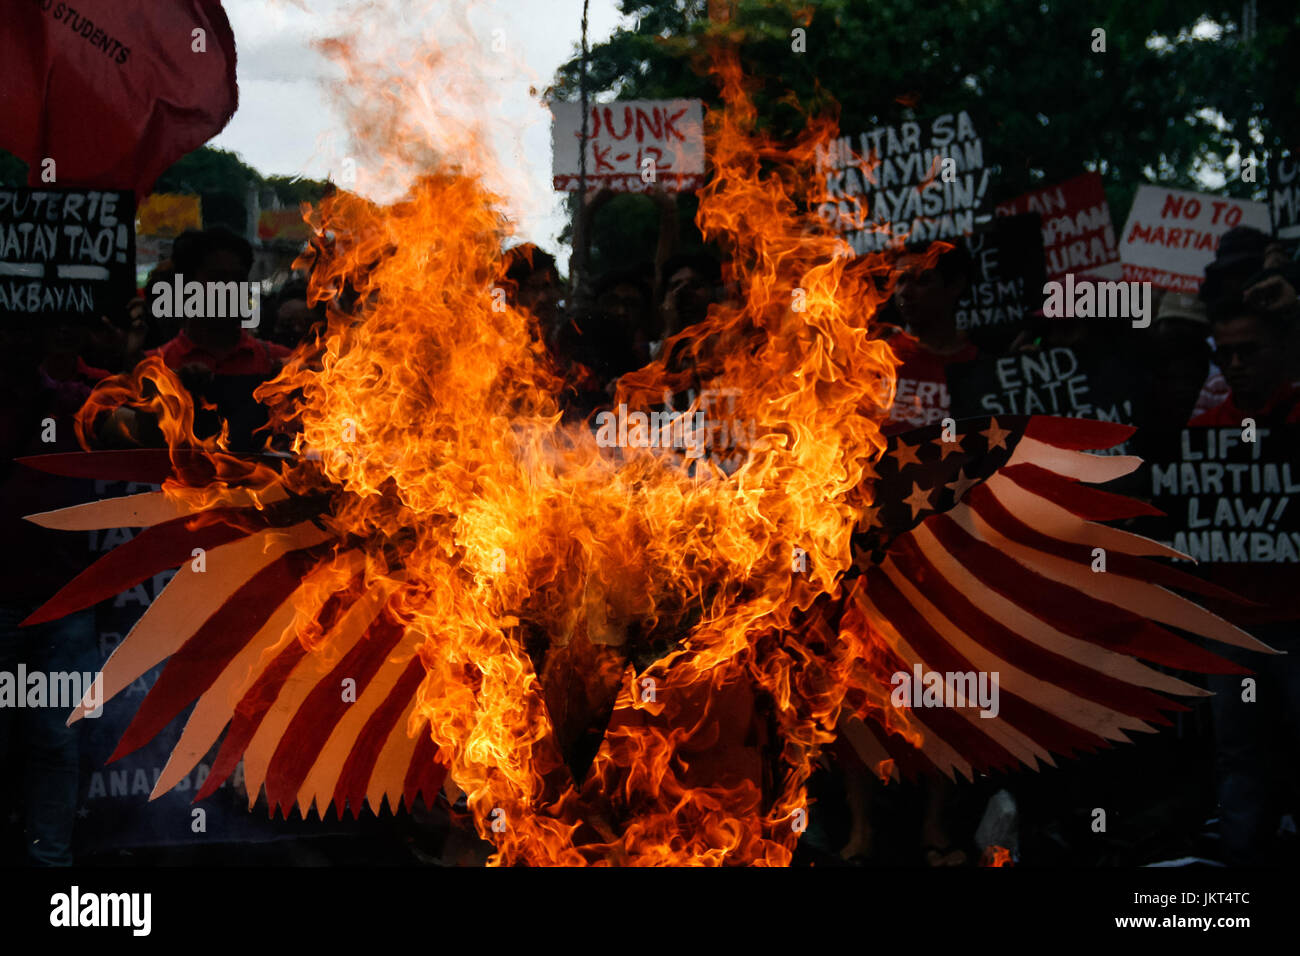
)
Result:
{"points": [[66, 250], [1284, 196], [1007, 278], [1231, 496], [1172, 235], [167, 215], [913, 183], [1226, 493], [1078, 237], [632, 146], [1072, 381]]}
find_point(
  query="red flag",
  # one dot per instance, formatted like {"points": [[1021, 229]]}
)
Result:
{"points": [[113, 92]]}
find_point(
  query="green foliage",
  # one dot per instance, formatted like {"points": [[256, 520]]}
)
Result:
{"points": [[219, 178], [13, 171], [293, 190], [1160, 105], [223, 180], [631, 222]]}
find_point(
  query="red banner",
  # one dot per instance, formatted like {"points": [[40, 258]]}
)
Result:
{"points": [[1078, 237], [113, 93]]}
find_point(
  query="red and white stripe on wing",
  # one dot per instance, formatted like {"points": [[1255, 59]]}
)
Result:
{"points": [[1003, 581], [230, 638]]}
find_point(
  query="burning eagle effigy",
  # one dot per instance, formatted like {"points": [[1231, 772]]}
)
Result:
{"points": [[619, 655]]}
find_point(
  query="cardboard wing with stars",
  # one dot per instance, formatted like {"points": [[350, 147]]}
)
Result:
{"points": [[985, 554], [978, 557]]}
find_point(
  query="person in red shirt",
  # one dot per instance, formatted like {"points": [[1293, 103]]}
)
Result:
{"points": [[927, 301], [1250, 348], [1254, 739], [247, 355], [216, 358], [220, 345]]}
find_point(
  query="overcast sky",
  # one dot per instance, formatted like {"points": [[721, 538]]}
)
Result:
{"points": [[286, 126]]}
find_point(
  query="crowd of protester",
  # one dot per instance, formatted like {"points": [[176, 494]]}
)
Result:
{"points": [[1224, 355]]}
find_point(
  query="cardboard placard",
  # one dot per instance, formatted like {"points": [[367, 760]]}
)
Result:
{"points": [[1284, 196], [916, 182], [1229, 500], [1078, 237], [1226, 493], [1007, 274], [632, 145], [66, 250], [1171, 235], [167, 215], [1055, 380]]}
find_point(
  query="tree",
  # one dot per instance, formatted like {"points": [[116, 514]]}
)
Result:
{"points": [[219, 178], [13, 171], [223, 180]]}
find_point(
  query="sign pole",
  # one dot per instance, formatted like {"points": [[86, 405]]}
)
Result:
{"points": [[578, 259]]}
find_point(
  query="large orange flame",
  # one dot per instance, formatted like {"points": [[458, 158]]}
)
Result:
{"points": [[688, 597]]}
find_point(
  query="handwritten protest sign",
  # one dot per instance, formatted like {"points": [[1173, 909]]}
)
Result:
{"points": [[1284, 196], [1232, 496], [66, 250], [1074, 382], [1078, 237], [1228, 505], [1171, 235], [632, 146], [1007, 274], [917, 181]]}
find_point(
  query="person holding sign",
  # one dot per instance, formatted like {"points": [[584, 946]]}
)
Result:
{"points": [[927, 298], [1255, 725]]}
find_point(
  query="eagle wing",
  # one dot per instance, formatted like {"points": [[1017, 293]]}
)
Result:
{"points": [[234, 626], [986, 552]]}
